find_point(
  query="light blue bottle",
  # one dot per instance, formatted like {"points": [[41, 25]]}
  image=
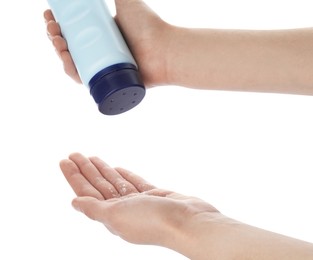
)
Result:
{"points": [[100, 54]]}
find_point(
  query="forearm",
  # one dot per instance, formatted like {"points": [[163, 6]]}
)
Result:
{"points": [[226, 239], [278, 61]]}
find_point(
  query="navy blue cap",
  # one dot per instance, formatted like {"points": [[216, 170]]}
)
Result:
{"points": [[117, 89]]}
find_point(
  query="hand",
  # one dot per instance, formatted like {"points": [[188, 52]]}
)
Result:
{"points": [[146, 35], [129, 206], [140, 213]]}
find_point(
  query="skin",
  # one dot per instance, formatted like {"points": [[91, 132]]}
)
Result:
{"points": [[278, 61], [140, 213]]}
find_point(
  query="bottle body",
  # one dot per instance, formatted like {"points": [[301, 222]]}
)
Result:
{"points": [[99, 53]]}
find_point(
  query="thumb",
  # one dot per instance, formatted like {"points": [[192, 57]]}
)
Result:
{"points": [[90, 206]]}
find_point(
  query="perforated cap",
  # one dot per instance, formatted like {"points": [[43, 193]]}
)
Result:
{"points": [[117, 89]]}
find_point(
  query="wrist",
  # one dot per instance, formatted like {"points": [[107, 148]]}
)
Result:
{"points": [[211, 236], [174, 55], [166, 57], [158, 66], [205, 236]]}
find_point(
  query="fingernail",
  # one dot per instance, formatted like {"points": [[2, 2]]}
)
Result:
{"points": [[49, 36]]}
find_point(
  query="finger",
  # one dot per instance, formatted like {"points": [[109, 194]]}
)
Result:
{"points": [[158, 192], [95, 210], [93, 176], [69, 66], [59, 43], [90, 206], [54, 33], [77, 181], [53, 28], [48, 15], [140, 184], [123, 186]]}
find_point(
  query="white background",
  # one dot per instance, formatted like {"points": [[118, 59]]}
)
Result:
{"points": [[248, 154]]}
